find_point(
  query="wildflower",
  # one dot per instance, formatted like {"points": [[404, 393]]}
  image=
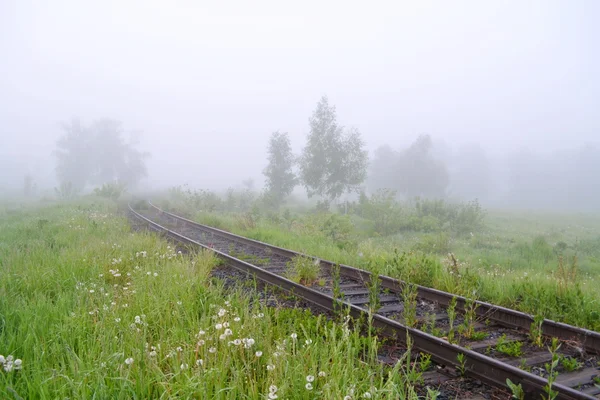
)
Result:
{"points": [[270, 367], [258, 353], [148, 273], [179, 303], [183, 366], [272, 396], [199, 362], [367, 395], [308, 342], [138, 320], [155, 274], [273, 389], [237, 342], [212, 350], [179, 349], [322, 374], [347, 397], [228, 332], [218, 326], [308, 386], [294, 335], [310, 378], [92, 290], [225, 324], [129, 361], [152, 353], [201, 342], [2, 359], [237, 319], [117, 320], [222, 312], [201, 332], [223, 337]]}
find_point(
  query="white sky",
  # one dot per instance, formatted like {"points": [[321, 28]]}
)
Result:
{"points": [[199, 78]]}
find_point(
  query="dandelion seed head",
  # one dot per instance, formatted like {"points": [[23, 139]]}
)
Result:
{"points": [[294, 335], [258, 353], [212, 350], [310, 378], [270, 367], [199, 362], [308, 386], [129, 361], [322, 374]]}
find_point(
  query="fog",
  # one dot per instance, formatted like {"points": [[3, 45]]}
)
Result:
{"points": [[508, 91]]}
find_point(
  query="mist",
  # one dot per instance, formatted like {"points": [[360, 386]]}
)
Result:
{"points": [[508, 92]]}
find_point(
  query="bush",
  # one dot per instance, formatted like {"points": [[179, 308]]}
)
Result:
{"points": [[111, 190]]}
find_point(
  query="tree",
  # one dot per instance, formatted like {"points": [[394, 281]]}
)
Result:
{"points": [[96, 155], [412, 172], [333, 161], [281, 179], [419, 174]]}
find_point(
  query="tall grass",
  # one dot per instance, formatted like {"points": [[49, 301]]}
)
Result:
{"points": [[96, 311]]}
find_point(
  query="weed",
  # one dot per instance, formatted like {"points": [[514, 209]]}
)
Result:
{"points": [[462, 364], [551, 369], [517, 390], [478, 336], [535, 331], [451, 311], [569, 364], [512, 349], [469, 317], [409, 297], [303, 270]]}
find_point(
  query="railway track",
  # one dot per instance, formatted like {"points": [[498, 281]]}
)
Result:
{"points": [[490, 338]]}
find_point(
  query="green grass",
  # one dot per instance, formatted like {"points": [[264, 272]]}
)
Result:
{"points": [[96, 311], [512, 261]]}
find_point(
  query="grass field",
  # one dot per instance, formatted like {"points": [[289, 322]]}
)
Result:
{"points": [[92, 310], [541, 263]]}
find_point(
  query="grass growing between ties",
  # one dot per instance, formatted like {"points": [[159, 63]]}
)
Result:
{"points": [[94, 310]]}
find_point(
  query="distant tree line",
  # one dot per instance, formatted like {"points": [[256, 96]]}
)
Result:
{"points": [[96, 155]]}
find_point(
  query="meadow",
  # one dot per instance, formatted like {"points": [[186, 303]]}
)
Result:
{"points": [[542, 263], [91, 309]]}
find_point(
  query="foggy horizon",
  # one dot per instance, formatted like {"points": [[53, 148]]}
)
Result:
{"points": [[202, 87]]}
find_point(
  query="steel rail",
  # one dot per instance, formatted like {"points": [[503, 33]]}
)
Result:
{"points": [[587, 339], [476, 365]]}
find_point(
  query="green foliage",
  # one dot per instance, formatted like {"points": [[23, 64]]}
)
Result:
{"points": [[516, 390], [280, 179], [510, 348], [383, 209], [303, 270], [414, 267], [111, 190], [338, 228], [535, 331], [437, 243], [551, 394], [333, 161], [570, 364]]}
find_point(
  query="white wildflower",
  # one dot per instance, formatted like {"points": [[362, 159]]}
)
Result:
{"points": [[258, 353], [310, 378], [270, 367], [129, 361], [308, 386]]}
